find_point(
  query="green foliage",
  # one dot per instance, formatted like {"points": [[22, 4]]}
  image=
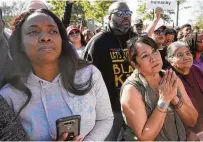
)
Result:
{"points": [[57, 7], [10, 11], [181, 1], [200, 18], [82, 10], [200, 22], [96, 9], [77, 15], [144, 12]]}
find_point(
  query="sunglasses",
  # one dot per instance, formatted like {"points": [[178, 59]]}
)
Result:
{"points": [[158, 32], [121, 13], [139, 26], [74, 33]]}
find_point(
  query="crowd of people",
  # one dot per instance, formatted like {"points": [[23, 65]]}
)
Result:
{"points": [[126, 82]]}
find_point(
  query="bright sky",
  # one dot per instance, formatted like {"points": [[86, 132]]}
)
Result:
{"points": [[185, 15]]}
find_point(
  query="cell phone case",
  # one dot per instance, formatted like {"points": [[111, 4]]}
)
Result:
{"points": [[70, 124]]}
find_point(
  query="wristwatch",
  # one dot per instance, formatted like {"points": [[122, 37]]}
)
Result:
{"points": [[162, 105]]}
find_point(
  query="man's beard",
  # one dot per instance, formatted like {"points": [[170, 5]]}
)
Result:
{"points": [[120, 27]]}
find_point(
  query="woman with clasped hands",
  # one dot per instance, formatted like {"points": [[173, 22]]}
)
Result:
{"points": [[154, 103]]}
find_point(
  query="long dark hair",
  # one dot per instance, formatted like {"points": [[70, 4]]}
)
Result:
{"points": [[69, 62], [82, 39]]}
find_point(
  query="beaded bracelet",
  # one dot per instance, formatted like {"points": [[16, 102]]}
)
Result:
{"points": [[179, 104]]}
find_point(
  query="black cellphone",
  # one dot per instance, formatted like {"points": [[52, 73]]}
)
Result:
{"points": [[70, 124]]}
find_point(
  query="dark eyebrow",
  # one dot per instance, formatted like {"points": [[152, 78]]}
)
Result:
{"points": [[36, 26], [143, 53]]}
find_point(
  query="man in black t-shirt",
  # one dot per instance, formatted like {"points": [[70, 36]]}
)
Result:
{"points": [[107, 51]]}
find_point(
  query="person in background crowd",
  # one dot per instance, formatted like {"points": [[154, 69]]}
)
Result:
{"points": [[51, 82], [195, 29], [157, 33], [88, 34], [10, 126], [178, 33], [81, 28], [159, 37], [177, 29], [107, 51], [185, 30], [154, 26], [138, 27], [5, 55], [195, 42], [76, 38], [180, 57], [170, 35], [162, 104], [98, 29]]}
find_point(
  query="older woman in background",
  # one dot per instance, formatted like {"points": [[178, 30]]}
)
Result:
{"points": [[180, 57]]}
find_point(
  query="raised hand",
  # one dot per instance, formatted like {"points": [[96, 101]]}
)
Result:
{"points": [[158, 12]]}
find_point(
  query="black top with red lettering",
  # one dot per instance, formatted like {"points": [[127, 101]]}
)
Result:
{"points": [[109, 54]]}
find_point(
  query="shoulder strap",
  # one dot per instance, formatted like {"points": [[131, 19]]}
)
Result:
{"points": [[136, 82]]}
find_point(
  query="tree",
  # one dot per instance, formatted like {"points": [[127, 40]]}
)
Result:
{"points": [[10, 11], [57, 7], [96, 9], [77, 15], [82, 10], [146, 14], [199, 22]]}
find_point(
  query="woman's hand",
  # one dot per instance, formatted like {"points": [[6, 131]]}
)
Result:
{"points": [[64, 136], [168, 86], [158, 12]]}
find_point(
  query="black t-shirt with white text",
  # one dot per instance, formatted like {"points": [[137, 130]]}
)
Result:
{"points": [[109, 54]]}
